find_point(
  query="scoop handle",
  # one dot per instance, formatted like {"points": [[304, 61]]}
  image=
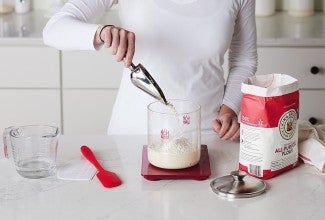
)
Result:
{"points": [[132, 67], [89, 155]]}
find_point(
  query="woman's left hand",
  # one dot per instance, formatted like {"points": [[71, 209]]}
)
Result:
{"points": [[226, 124]]}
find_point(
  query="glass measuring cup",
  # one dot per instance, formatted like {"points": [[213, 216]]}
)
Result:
{"points": [[33, 148], [174, 134]]}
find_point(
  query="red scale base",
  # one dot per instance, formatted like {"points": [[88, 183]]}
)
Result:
{"points": [[200, 171]]}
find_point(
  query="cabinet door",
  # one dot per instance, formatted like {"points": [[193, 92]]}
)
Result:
{"points": [[29, 106], [87, 111], [312, 105], [29, 67], [296, 62], [90, 69]]}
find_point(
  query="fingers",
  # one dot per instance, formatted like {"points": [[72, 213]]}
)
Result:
{"points": [[121, 43], [226, 123], [227, 127], [216, 126], [115, 40], [107, 36], [122, 47], [130, 49], [235, 137], [234, 128]]}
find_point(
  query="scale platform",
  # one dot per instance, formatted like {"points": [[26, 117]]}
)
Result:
{"points": [[200, 171]]}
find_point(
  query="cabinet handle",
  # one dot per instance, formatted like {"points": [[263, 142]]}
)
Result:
{"points": [[312, 120], [314, 70]]}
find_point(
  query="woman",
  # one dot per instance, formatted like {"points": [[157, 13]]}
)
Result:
{"points": [[180, 42]]}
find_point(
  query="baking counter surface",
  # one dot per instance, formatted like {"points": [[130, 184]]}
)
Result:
{"points": [[297, 194]]}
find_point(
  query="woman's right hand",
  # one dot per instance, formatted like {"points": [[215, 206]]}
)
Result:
{"points": [[121, 42]]}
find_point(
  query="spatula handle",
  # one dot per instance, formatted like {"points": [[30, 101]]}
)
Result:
{"points": [[89, 155]]}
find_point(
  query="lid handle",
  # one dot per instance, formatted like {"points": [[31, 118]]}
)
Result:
{"points": [[238, 175]]}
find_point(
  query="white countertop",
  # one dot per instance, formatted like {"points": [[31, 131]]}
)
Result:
{"points": [[26, 29], [277, 30], [22, 29], [297, 194], [284, 30]]}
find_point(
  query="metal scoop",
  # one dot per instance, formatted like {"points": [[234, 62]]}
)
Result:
{"points": [[141, 78]]}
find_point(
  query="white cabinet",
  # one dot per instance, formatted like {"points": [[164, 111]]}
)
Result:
{"points": [[312, 106], [29, 86], [29, 67], [297, 62], [90, 69], [305, 64], [29, 106], [33, 92], [87, 111], [90, 80]]}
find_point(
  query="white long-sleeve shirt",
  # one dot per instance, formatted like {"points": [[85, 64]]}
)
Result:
{"points": [[180, 42]]}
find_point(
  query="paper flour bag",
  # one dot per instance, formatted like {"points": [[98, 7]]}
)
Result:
{"points": [[268, 125]]}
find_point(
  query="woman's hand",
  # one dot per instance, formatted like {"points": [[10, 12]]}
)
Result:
{"points": [[226, 124], [120, 41]]}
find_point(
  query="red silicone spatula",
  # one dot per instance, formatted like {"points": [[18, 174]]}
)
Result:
{"points": [[107, 178]]}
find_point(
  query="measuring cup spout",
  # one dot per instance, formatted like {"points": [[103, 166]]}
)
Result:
{"points": [[142, 79]]}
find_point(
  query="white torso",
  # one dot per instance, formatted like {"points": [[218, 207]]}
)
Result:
{"points": [[182, 44]]}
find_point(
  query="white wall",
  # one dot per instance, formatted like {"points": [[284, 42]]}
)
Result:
{"points": [[45, 4], [283, 4]]}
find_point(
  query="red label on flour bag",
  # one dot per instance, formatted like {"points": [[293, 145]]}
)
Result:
{"points": [[268, 129]]}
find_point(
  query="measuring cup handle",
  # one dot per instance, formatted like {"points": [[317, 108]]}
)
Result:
{"points": [[6, 142]]}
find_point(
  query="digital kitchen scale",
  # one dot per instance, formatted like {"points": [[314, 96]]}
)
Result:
{"points": [[200, 171]]}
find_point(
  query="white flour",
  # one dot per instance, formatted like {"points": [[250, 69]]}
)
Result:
{"points": [[177, 153]]}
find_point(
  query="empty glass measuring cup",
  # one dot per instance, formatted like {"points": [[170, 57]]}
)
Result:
{"points": [[33, 148]]}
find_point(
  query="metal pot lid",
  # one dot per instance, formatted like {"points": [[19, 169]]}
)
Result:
{"points": [[238, 185]]}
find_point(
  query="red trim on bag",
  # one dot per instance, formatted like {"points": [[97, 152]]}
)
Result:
{"points": [[304, 157], [267, 174], [253, 111]]}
